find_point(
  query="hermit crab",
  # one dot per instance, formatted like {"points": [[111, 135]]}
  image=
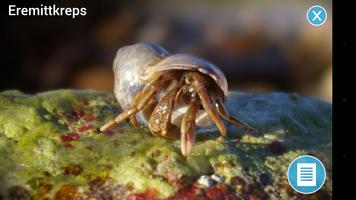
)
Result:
{"points": [[171, 94]]}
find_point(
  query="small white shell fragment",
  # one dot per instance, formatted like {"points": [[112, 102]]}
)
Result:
{"points": [[205, 181], [217, 178]]}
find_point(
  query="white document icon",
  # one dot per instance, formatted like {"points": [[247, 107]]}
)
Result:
{"points": [[306, 174]]}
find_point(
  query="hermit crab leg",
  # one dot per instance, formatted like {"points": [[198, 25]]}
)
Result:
{"points": [[180, 93], [188, 127], [134, 122], [160, 119], [219, 104], [138, 98], [209, 107], [141, 100]]}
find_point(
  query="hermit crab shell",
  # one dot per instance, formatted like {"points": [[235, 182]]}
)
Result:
{"points": [[129, 65]]}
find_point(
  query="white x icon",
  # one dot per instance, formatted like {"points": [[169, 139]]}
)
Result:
{"points": [[316, 15]]}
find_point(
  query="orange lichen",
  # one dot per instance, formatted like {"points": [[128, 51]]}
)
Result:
{"points": [[67, 192]]}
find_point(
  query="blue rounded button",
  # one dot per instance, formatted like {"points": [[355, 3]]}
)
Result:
{"points": [[306, 174], [317, 15]]}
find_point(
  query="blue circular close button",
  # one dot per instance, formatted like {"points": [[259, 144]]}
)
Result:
{"points": [[306, 174], [317, 15]]}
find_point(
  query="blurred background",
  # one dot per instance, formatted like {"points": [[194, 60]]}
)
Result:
{"points": [[261, 45]]}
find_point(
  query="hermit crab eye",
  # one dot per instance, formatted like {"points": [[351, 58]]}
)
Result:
{"points": [[188, 80]]}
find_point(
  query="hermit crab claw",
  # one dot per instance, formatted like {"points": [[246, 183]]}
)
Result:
{"points": [[188, 127], [171, 94]]}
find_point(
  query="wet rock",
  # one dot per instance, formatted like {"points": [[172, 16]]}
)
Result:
{"points": [[50, 145]]}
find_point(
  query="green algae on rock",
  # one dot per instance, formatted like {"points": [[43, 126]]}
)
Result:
{"points": [[50, 147]]}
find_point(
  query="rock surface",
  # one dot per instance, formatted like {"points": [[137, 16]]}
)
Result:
{"points": [[50, 147]]}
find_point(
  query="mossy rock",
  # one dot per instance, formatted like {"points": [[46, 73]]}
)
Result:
{"points": [[50, 147]]}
